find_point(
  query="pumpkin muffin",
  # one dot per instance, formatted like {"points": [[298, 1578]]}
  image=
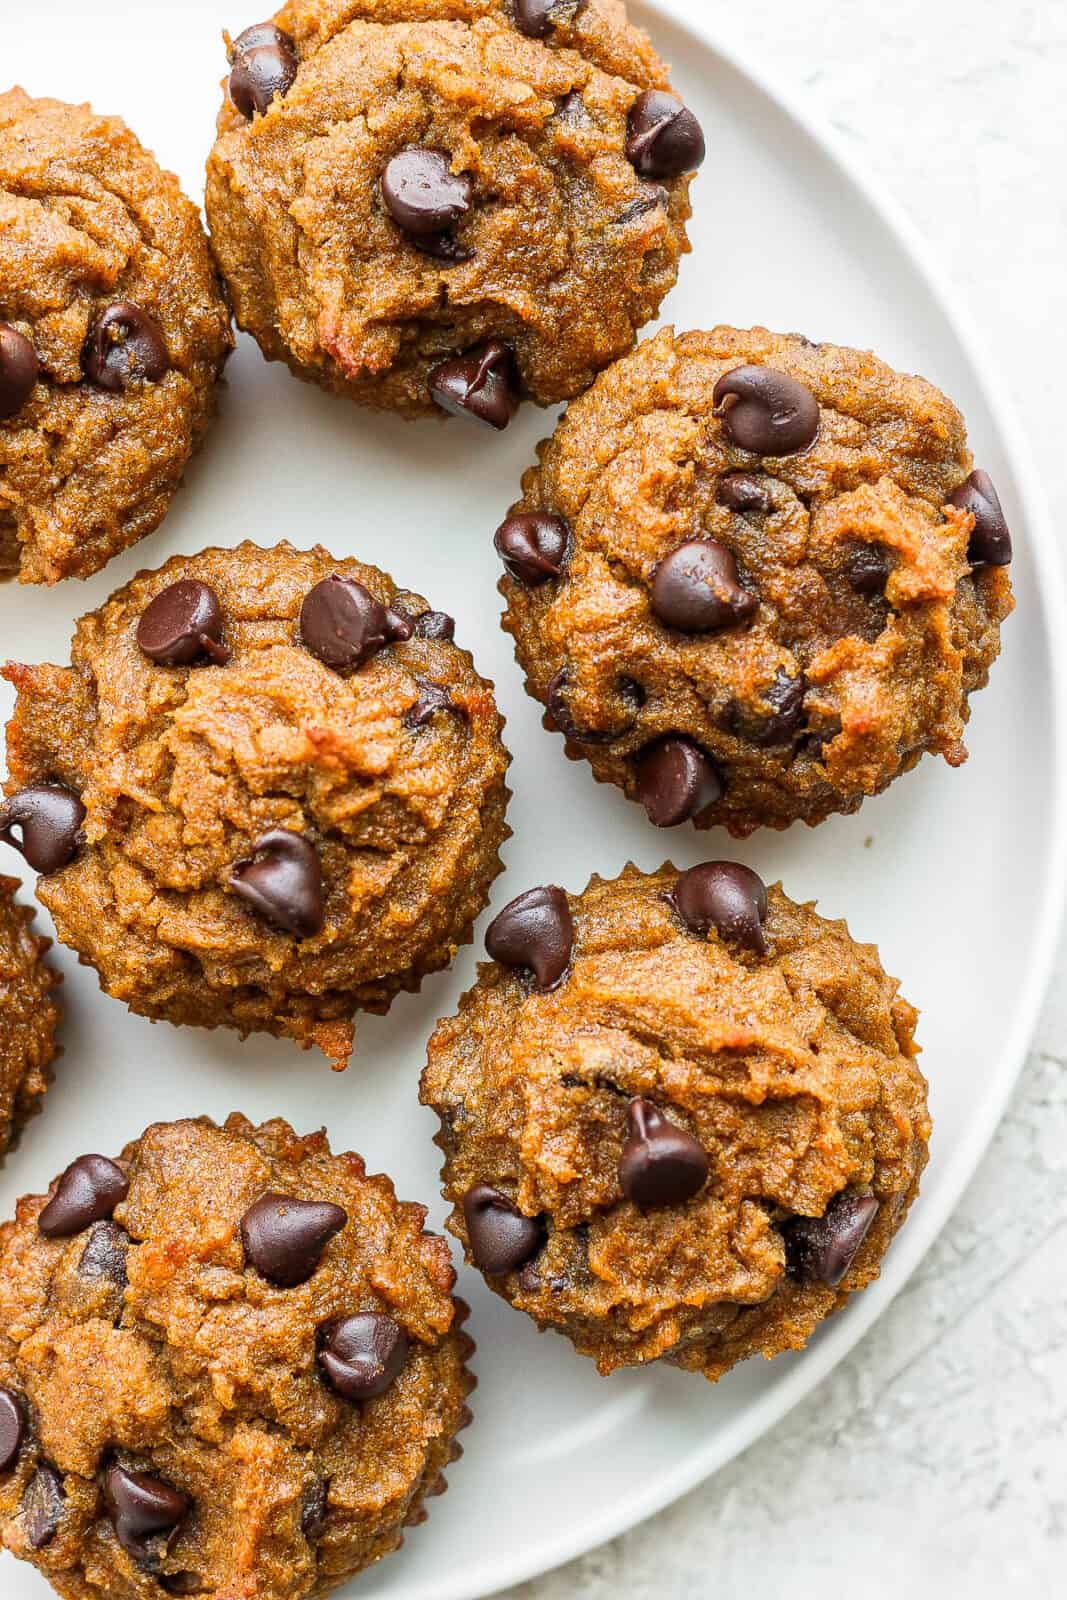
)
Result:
{"points": [[29, 1016]]}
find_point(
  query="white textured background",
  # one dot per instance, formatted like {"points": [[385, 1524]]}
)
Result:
{"points": [[935, 1458]]}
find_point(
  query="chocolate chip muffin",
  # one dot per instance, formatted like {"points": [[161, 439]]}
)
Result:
{"points": [[113, 332], [230, 1364], [444, 205], [29, 1016], [268, 792], [680, 1114], [754, 579]]}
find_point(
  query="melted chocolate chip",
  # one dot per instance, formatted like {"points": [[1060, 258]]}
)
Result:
{"points": [[362, 1356], [661, 1164], [343, 625], [696, 589], [649, 197], [537, 18], [867, 569], [264, 65], [676, 780], [284, 1237], [785, 696], [821, 1249], [104, 1255], [422, 194], [125, 346], [726, 896], [142, 1508], [282, 880], [42, 1506], [990, 542], [19, 370], [87, 1192], [433, 697], [49, 819], [533, 546], [501, 1238], [663, 138], [740, 491], [183, 625], [13, 1428], [766, 411], [435, 625], [482, 384], [316, 1508], [534, 933]]}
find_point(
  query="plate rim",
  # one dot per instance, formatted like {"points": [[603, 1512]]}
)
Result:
{"points": [[957, 1168]]}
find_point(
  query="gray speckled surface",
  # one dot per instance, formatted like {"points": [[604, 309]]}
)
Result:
{"points": [[935, 1458]]}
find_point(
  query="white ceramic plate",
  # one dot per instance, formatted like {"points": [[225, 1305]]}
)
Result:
{"points": [[957, 875]]}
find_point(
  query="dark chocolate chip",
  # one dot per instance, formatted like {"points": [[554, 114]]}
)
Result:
{"points": [[181, 1583], [696, 589], [282, 880], [49, 819], [362, 1355], [142, 1508], [343, 625], [990, 542], [482, 384], [661, 1164], [501, 1238], [42, 1506], [315, 1509], [19, 370], [867, 569], [785, 696], [534, 933], [13, 1428], [766, 411], [726, 896], [650, 197], [183, 625], [104, 1255], [433, 697], [663, 138], [88, 1192], [125, 346], [537, 18], [435, 625], [442, 247], [284, 1237], [675, 780], [740, 491], [533, 546], [422, 194], [821, 1249], [264, 66]]}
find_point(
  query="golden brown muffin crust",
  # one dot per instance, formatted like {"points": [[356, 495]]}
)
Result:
{"points": [[29, 1015]]}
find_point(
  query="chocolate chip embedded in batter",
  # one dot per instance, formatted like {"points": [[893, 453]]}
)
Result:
{"points": [[42, 1506], [650, 197], [104, 1255], [142, 1507], [343, 625], [432, 698], [264, 65], [482, 384], [675, 780], [49, 819], [537, 18], [663, 138], [740, 491], [867, 569], [362, 1355], [534, 933], [435, 625], [785, 696], [284, 1237], [315, 1509], [696, 589], [282, 880], [13, 1429], [767, 412], [990, 542], [726, 896], [183, 625], [125, 346], [422, 194], [533, 546], [19, 370], [661, 1164], [823, 1248], [501, 1238], [88, 1192], [559, 711]]}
